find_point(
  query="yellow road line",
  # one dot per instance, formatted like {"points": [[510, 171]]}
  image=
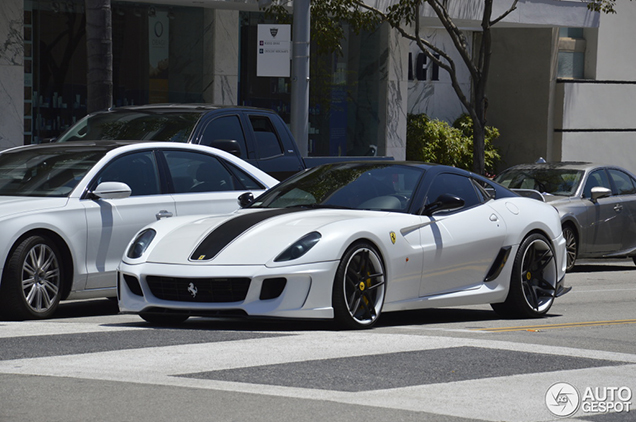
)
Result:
{"points": [[553, 326]]}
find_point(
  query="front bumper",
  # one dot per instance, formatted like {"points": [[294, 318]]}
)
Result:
{"points": [[305, 292]]}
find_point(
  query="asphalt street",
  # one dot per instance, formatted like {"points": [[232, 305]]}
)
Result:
{"points": [[90, 363]]}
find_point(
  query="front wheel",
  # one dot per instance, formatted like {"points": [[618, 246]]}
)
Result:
{"points": [[533, 281], [359, 287], [32, 283], [571, 247]]}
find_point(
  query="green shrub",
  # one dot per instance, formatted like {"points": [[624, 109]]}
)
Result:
{"points": [[435, 141]]}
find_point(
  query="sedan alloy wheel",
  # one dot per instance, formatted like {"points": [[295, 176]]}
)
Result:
{"points": [[31, 287]]}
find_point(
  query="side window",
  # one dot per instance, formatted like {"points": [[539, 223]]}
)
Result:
{"points": [[453, 184], [596, 178], [266, 137], [138, 170], [196, 172], [485, 190], [226, 127], [246, 180], [623, 182]]}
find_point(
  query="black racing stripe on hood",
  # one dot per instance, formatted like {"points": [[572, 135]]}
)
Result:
{"points": [[223, 235]]}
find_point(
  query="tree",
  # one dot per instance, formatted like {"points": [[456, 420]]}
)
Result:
{"points": [[402, 16], [99, 53], [605, 6]]}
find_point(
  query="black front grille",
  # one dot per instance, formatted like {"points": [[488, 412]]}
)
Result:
{"points": [[210, 290]]}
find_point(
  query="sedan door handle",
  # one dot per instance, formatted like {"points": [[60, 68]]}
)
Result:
{"points": [[163, 214], [618, 207]]}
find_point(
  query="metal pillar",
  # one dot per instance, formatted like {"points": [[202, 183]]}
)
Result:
{"points": [[300, 76]]}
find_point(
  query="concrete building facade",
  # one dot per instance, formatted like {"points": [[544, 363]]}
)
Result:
{"points": [[560, 87]]}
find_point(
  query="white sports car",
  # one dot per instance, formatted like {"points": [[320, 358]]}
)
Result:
{"points": [[67, 211], [348, 241]]}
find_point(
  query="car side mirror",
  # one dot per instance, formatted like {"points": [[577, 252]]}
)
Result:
{"points": [[228, 145], [444, 202], [246, 199], [600, 192], [111, 190]]}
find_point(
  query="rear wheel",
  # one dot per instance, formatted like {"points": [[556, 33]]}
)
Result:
{"points": [[359, 287], [533, 281], [32, 282]]}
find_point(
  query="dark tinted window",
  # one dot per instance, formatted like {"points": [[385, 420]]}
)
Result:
{"points": [[347, 185], [226, 127], [138, 171], [246, 180], [624, 184], [197, 172], [596, 178], [456, 185], [266, 137]]}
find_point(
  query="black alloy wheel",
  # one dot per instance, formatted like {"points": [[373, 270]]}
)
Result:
{"points": [[533, 280], [359, 287]]}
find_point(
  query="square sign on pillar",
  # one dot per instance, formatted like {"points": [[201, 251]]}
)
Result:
{"points": [[274, 50]]}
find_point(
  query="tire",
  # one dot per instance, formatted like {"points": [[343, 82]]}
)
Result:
{"points": [[163, 319], [533, 280], [359, 287], [32, 282], [571, 245]]}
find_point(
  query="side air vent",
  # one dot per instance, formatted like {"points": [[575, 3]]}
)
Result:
{"points": [[498, 265], [133, 284]]}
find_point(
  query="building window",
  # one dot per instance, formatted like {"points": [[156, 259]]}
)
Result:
{"points": [[571, 53]]}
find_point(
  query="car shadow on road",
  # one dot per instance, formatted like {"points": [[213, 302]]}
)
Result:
{"points": [[393, 319], [86, 308], [593, 268]]}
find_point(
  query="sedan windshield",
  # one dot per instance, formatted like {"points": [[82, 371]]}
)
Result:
{"points": [[45, 171], [553, 181], [372, 186], [137, 125]]}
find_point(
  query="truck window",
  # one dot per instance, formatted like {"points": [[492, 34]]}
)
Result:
{"points": [[225, 127], [266, 137]]}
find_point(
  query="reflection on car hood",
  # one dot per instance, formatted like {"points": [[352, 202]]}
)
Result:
{"points": [[15, 205], [255, 244]]}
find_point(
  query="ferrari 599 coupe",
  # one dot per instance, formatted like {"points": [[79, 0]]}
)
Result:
{"points": [[347, 242]]}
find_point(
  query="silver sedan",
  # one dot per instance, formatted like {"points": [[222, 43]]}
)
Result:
{"points": [[68, 210], [597, 205]]}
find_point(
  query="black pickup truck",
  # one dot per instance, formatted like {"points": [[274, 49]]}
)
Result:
{"points": [[259, 136]]}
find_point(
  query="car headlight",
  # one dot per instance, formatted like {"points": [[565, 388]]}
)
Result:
{"points": [[141, 243], [299, 248]]}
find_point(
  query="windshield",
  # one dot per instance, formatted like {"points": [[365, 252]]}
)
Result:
{"points": [[45, 171], [372, 186], [562, 182], [133, 125]]}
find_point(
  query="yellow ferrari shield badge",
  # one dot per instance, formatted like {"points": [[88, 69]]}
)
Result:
{"points": [[393, 237]]}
